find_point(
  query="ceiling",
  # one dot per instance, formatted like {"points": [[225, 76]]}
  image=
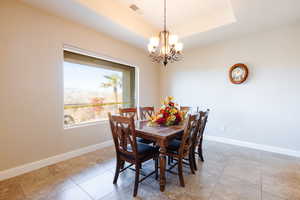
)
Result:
{"points": [[193, 17], [197, 22]]}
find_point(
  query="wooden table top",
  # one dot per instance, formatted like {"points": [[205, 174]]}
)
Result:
{"points": [[158, 132]]}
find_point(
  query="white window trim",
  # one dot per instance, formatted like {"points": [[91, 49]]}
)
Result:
{"points": [[74, 49]]}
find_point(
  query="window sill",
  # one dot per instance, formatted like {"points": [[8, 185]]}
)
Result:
{"points": [[100, 122]]}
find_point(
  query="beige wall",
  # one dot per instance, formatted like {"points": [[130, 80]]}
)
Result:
{"points": [[31, 101], [264, 110]]}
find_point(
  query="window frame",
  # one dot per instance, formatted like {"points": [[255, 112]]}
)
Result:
{"points": [[78, 50]]}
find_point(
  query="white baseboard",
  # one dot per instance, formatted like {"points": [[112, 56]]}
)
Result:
{"points": [[254, 145], [9, 173]]}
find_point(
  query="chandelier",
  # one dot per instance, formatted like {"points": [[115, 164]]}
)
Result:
{"points": [[165, 48]]}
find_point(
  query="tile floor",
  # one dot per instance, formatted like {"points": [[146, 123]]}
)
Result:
{"points": [[228, 173]]}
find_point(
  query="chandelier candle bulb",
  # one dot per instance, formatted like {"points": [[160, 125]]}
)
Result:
{"points": [[179, 47], [173, 39], [151, 48], [154, 41]]}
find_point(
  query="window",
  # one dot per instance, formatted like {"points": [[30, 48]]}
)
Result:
{"points": [[93, 87]]}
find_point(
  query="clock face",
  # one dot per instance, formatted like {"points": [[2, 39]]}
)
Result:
{"points": [[238, 73]]}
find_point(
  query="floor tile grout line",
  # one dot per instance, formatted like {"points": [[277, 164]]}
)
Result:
{"points": [[125, 188], [23, 190], [261, 176], [261, 195], [82, 189], [219, 178]]}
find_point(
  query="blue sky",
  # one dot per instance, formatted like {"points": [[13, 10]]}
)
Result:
{"points": [[85, 77]]}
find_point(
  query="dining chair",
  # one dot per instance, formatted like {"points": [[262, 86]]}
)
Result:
{"points": [[185, 110], [129, 150], [199, 139], [146, 112], [179, 149], [194, 139]]}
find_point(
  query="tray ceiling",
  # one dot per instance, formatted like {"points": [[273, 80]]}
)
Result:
{"points": [[197, 22]]}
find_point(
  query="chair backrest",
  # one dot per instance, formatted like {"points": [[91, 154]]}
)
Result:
{"points": [[146, 112], [185, 108], [189, 128], [129, 112], [195, 134], [203, 120], [124, 136]]}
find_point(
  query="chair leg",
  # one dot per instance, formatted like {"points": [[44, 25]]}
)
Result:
{"points": [[180, 173], [118, 167], [122, 164], [169, 160], [191, 162], [195, 161], [137, 175], [200, 151], [156, 168]]}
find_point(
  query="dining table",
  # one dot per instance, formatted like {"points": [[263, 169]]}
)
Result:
{"points": [[161, 135]]}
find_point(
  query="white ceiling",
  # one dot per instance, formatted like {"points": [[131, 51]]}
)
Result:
{"points": [[185, 17], [196, 22]]}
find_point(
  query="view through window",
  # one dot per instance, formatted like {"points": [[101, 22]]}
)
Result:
{"points": [[94, 87]]}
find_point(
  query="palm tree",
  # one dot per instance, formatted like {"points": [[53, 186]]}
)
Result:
{"points": [[115, 82]]}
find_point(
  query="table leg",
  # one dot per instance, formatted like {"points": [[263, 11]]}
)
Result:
{"points": [[162, 164]]}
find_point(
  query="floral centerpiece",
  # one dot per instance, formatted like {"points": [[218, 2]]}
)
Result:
{"points": [[168, 115]]}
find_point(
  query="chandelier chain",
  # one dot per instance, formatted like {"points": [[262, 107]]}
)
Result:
{"points": [[165, 35], [165, 15]]}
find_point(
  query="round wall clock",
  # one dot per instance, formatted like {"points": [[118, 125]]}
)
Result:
{"points": [[238, 73]]}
